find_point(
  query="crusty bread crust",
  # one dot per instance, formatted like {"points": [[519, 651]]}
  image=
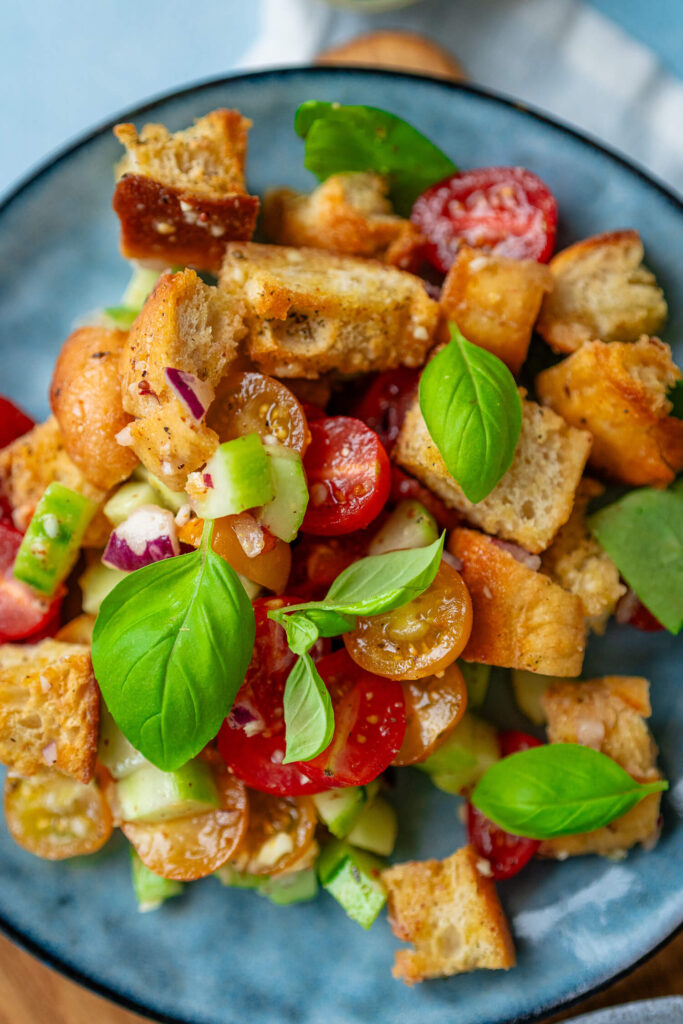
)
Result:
{"points": [[521, 619], [451, 913], [49, 708], [618, 392]]}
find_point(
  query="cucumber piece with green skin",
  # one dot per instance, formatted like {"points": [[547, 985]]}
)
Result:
{"points": [[296, 887], [150, 890], [410, 525], [173, 500], [115, 752], [140, 286], [51, 543], [122, 317], [234, 879], [96, 582], [353, 878], [529, 688], [339, 809], [236, 477], [477, 678], [464, 756], [129, 497], [150, 795], [285, 513], [376, 829]]}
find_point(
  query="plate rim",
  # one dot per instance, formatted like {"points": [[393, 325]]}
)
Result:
{"points": [[80, 140]]}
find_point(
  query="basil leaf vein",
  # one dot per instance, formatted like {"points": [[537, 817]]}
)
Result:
{"points": [[309, 718]]}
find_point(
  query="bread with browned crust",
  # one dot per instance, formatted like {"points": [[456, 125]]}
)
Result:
{"points": [[180, 197], [619, 392], [449, 910]]}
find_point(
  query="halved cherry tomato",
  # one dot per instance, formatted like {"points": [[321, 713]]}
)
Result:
{"points": [[197, 845], [434, 706], [23, 613], [386, 402], [317, 561], [507, 854], [253, 403], [512, 741], [349, 476], [404, 486], [369, 725], [419, 639], [639, 616], [281, 829], [505, 210], [13, 422], [54, 816], [269, 569]]}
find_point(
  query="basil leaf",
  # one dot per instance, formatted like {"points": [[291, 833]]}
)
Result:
{"points": [[329, 622], [309, 719], [170, 649], [675, 396], [360, 138], [558, 789], [301, 632], [643, 535], [473, 412]]}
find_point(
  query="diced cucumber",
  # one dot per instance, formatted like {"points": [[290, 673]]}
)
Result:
{"points": [[115, 752], [96, 582], [376, 828], [285, 513], [253, 590], [295, 887], [477, 678], [173, 500], [122, 317], [150, 795], [410, 525], [353, 878], [236, 477], [140, 286], [464, 756], [129, 497], [150, 890], [50, 546], [339, 809], [529, 688], [230, 876]]}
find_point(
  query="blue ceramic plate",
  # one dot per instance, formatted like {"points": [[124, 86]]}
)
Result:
{"points": [[220, 955]]}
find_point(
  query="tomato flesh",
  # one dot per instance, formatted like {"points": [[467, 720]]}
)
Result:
{"points": [[434, 706], [55, 817], [506, 853], [349, 476], [512, 741], [13, 422], [505, 210], [404, 486], [271, 816], [317, 561], [386, 402], [23, 614], [253, 403], [269, 569]]}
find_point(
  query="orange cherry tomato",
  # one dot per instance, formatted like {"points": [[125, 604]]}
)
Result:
{"points": [[281, 829], [434, 706], [270, 569], [197, 845], [55, 817], [419, 639], [249, 403]]}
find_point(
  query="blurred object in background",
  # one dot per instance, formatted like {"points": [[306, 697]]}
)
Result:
{"points": [[368, 6], [404, 51]]}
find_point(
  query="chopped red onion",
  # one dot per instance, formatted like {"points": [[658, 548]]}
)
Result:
{"points": [[148, 535], [195, 394], [249, 534], [452, 560], [521, 554], [626, 607]]}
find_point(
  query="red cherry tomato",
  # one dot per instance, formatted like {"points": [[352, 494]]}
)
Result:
{"points": [[317, 561], [643, 619], [385, 403], [505, 210], [13, 422], [404, 486], [512, 742], [370, 725], [349, 476], [23, 613], [507, 854]]}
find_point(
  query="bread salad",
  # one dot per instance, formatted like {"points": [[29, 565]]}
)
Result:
{"points": [[300, 497]]}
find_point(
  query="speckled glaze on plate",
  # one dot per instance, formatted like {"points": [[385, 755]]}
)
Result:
{"points": [[224, 956]]}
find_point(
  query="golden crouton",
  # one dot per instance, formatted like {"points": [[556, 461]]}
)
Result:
{"points": [[608, 714], [495, 302], [536, 495], [577, 562], [186, 325], [310, 311], [85, 397], [389, 48], [180, 197], [619, 393], [31, 463], [49, 708], [601, 290], [78, 630], [521, 619], [451, 913]]}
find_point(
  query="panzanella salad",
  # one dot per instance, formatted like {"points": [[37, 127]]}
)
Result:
{"points": [[299, 496]]}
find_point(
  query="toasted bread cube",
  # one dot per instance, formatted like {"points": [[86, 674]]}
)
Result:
{"points": [[536, 495], [451, 913], [31, 463], [601, 290], [49, 708], [578, 563], [495, 302], [608, 714], [619, 393], [187, 325], [310, 311], [520, 618], [180, 197]]}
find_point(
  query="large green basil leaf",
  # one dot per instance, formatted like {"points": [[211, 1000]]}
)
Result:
{"points": [[309, 718]]}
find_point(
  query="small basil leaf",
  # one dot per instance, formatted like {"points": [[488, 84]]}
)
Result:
{"points": [[309, 719], [360, 138], [473, 412], [301, 632], [170, 649], [558, 789], [329, 622], [675, 396], [643, 535]]}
